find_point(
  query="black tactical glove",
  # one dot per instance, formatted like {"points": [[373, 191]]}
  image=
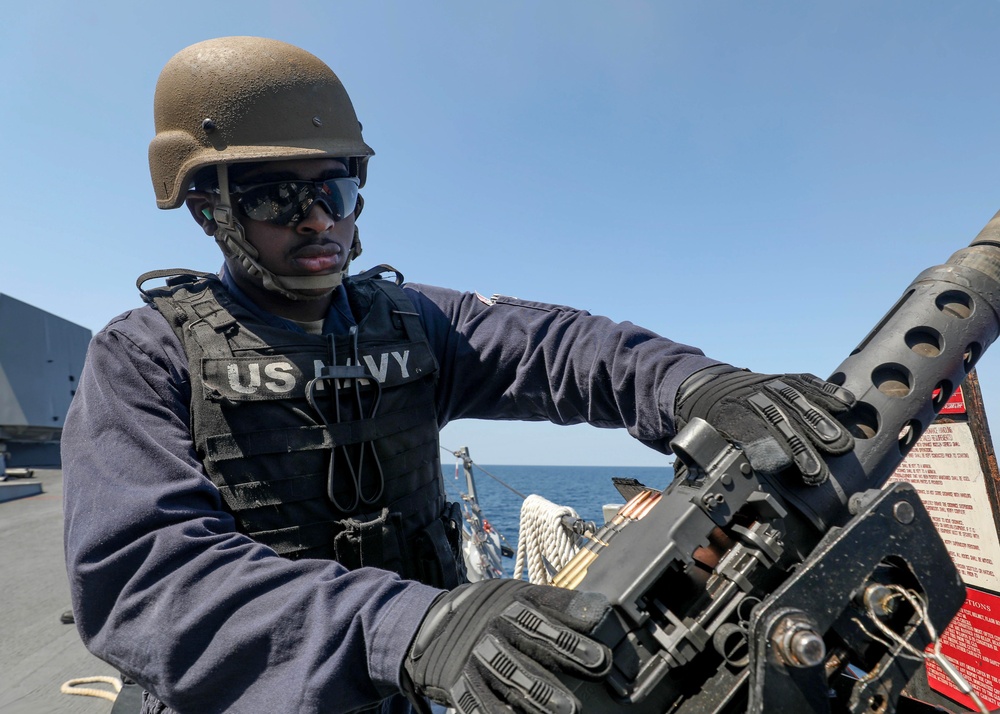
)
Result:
{"points": [[490, 646], [779, 420]]}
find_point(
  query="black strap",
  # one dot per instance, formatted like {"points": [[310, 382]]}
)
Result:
{"points": [[129, 699], [377, 272], [368, 543], [176, 276]]}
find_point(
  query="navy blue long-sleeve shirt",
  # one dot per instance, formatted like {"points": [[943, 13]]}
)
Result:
{"points": [[167, 590]]}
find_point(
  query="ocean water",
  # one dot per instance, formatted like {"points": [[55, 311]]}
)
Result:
{"points": [[584, 488]]}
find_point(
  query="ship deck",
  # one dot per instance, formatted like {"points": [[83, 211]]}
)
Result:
{"points": [[37, 651]]}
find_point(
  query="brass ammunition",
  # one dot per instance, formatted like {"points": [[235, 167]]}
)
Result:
{"points": [[576, 571]]}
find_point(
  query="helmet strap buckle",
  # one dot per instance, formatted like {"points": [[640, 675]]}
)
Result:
{"points": [[223, 215]]}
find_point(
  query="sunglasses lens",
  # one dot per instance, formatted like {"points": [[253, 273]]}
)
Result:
{"points": [[340, 196], [288, 202]]}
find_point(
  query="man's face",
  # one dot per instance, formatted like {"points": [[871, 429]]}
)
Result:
{"points": [[316, 245]]}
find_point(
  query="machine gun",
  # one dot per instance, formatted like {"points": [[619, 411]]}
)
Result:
{"points": [[742, 593]]}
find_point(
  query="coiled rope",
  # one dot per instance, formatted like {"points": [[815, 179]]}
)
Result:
{"points": [[543, 539], [72, 687]]}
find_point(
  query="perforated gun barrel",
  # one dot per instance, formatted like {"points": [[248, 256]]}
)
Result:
{"points": [[673, 621], [908, 366]]}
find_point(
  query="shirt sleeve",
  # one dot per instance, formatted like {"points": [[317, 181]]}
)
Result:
{"points": [[504, 358], [166, 590]]}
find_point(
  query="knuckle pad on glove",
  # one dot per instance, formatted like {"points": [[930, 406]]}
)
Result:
{"points": [[779, 420], [810, 420], [798, 448], [498, 638], [518, 681], [830, 396], [553, 644]]}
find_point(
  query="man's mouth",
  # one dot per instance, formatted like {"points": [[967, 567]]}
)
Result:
{"points": [[318, 258]]}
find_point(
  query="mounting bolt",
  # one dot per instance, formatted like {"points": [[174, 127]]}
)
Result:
{"points": [[797, 643], [808, 648], [904, 513]]}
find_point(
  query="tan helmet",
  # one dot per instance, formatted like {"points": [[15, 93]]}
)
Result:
{"points": [[237, 99]]}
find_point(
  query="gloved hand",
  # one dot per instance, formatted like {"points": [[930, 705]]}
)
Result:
{"points": [[491, 646], [779, 420]]}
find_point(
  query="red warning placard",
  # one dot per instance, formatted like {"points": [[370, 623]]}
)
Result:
{"points": [[955, 405], [972, 643], [953, 467]]}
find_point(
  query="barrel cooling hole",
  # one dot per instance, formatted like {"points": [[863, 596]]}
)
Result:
{"points": [[941, 394], [925, 341], [893, 380], [954, 303], [862, 421], [908, 436], [972, 354]]}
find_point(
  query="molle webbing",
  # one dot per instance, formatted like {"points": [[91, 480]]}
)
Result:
{"points": [[268, 450]]}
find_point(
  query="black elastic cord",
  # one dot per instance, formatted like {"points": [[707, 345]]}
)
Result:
{"points": [[380, 477]]}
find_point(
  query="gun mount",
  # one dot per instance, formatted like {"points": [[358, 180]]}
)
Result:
{"points": [[745, 593]]}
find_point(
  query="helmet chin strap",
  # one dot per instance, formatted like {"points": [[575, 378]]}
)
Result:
{"points": [[231, 238]]}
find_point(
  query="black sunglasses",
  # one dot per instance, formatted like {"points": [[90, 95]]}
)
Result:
{"points": [[285, 203]]}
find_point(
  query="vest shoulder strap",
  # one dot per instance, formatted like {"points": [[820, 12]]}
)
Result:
{"points": [[377, 272], [369, 283], [174, 276], [190, 299]]}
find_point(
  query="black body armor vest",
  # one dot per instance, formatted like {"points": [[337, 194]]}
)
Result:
{"points": [[321, 446]]}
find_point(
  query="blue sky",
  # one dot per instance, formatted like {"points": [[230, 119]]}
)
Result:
{"points": [[761, 180]]}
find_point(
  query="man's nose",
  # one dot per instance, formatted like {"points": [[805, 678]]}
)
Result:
{"points": [[318, 218]]}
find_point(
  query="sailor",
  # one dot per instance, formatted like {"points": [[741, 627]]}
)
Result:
{"points": [[255, 513]]}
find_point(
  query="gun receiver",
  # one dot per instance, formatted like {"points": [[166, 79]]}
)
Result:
{"points": [[744, 593]]}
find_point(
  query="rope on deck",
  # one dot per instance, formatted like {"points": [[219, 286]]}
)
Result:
{"points": [[543, 539], [72, 687]]}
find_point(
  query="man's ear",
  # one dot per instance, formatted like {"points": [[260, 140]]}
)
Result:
{"points": [[201, 204]]}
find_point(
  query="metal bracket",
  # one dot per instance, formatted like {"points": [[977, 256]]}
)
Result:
{"points": [[890, 536]]}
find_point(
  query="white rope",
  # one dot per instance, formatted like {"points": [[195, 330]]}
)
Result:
{"points": [[543, 538], [72, 687]]}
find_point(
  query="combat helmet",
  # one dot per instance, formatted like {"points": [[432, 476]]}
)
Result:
{"points": [[240, 99]]}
